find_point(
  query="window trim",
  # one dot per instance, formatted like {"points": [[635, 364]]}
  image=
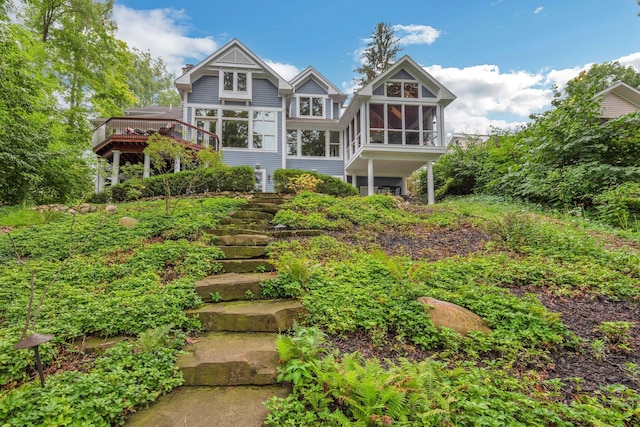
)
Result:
{"points": [[235, 94], [402, 89], [327, 146], [220, 119], [323, 105]]}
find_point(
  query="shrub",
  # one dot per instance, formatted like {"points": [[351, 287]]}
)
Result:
{"points": [[237, 178], [328, 185]]}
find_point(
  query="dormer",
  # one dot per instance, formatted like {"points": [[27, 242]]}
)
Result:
{"points": [[314, 97], [235, 67]]}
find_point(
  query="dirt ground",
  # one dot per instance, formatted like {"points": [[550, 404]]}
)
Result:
{"points": [[586, 369]]}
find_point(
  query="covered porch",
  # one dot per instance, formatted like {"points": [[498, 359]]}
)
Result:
{"points": [[388, 167]]}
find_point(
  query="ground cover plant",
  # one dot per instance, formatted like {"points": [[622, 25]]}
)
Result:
{"points": [[118, 281], [558, 293]]}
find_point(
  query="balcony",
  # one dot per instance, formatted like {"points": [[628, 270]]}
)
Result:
{"points": [[129, 136]]}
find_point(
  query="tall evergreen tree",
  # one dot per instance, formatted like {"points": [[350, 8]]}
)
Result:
{"points": [[379, 54]]}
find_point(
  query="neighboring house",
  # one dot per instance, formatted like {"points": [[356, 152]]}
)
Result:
{"points": [[617, 100], [464, 139], [390, 128]]}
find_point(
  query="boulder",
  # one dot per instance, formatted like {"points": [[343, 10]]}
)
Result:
{"points": [[128, 222], [111, 209], [453, 316]]}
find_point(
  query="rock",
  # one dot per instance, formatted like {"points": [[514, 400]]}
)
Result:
{"points": [[128, 222], [453, 316], [86, 208], [111, 209], [72, 211]]}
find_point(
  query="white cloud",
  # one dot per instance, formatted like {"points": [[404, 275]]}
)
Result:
{"points": [[416, 34], [163, 32], [484, 91], [538, 10], [286, 71]]}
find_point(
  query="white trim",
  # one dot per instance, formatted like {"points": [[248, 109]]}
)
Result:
{"points": [[235, 94], [323, 99]]}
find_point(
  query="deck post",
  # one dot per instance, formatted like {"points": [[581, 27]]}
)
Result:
{"points": [[176, 167], [430, 191], [370, 191], [115, 168], [405, 186], [354, 180], [146, 173]]}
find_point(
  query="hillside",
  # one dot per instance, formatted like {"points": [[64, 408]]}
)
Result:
{"points": [[559, 293]]}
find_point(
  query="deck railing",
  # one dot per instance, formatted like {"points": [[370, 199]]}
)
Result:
{"points": [[139, 129], [428, 138]]}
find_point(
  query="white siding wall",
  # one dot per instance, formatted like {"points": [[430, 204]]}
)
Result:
{"points": [[613, 106]]}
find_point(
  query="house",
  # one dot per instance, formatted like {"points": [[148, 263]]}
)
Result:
{"points": [[617, 100], [464, 139], [390, 128]]}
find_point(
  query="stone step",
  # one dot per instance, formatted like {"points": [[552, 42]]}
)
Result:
{"points": [[208, 406], [243, 252], [244, 222], [232, 286], [232, 229], [252, 215], [225, 358], [255, 265], [296, 233], [249, 316], [271, 208], [243, 240]]}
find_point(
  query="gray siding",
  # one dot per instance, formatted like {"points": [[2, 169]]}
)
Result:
{"points": [[205, 91], [294, 107], [336, 110], [426, 93], [268, 161], [379, 90], [312, 88], [402, 75], [265, 94], [327, 167]]}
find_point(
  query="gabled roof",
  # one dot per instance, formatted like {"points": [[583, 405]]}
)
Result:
{"points": [[232, 55], [444, 96], [622, 90], [311, 73]]}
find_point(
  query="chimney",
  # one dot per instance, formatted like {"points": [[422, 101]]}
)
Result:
{"points": [[187, 67]]}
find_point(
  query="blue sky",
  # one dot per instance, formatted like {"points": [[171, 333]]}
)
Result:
{"points": [[500, 57]]}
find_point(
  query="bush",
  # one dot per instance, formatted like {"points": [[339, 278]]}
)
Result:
{"points": [[237, 178], [329, 184]]}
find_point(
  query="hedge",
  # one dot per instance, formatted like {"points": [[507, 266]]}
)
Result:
{"points": [[329, 185], [235, 178]]}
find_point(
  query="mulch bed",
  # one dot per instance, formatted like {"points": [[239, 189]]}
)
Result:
{"points": [[580, 314]]}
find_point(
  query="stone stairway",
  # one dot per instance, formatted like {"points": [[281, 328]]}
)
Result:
{"points": [[232, 368]]}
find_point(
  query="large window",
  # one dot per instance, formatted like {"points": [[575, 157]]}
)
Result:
{"points": [[311, 106], [235, 128], [402, 124], [206, 119], [313, 143], [264, 130]]}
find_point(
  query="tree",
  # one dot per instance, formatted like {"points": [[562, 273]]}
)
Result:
{"points": [[150, 81], [165, 152], [379, 54]]}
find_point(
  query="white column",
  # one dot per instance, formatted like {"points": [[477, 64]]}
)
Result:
{"points": [[99, 181], [354, 180], [115, 168], [370, 178], [430, 191], [405, 188], [176, 167], [440, 119], [146, 173]]}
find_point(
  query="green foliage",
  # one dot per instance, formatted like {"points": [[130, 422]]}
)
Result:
{"points": [[617, 333], [237, 178], [282, 179], [311, 210], [122, 379], [565, 157]]}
